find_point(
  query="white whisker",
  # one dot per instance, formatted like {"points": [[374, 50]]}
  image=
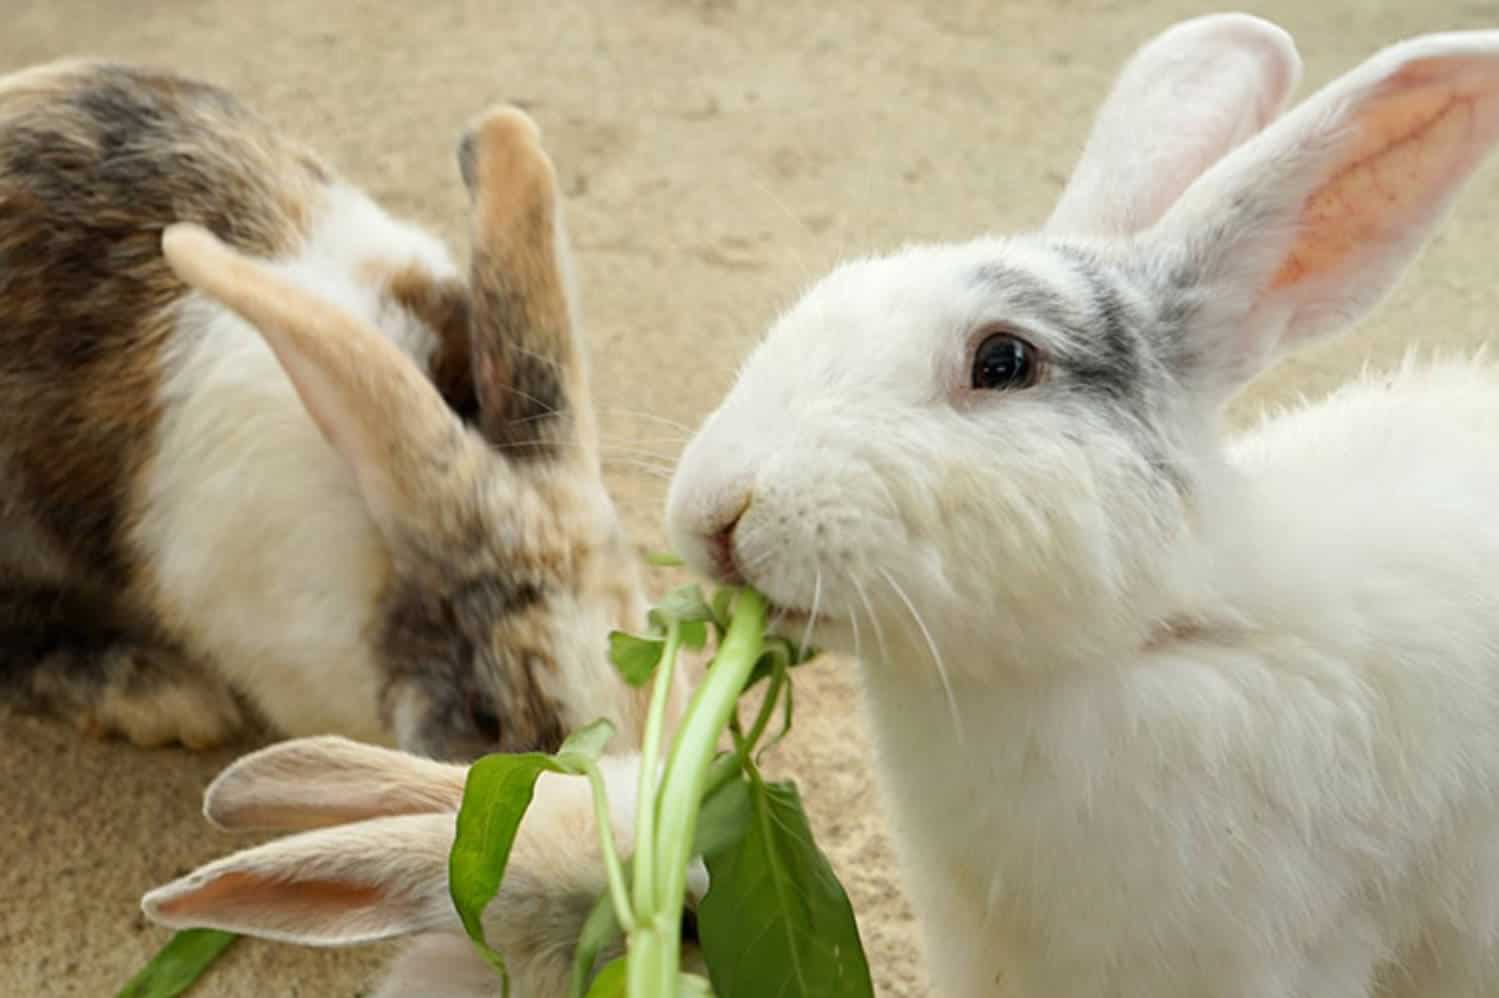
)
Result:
{"points": [[662, 473], [874, 620], [812, 617], [952, 700], [640, 414]]}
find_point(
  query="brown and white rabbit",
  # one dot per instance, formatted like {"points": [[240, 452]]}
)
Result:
{"points": [[303, 462], [1159, 713], [370, 862]]}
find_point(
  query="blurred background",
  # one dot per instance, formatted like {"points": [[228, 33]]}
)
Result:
{"points": [[717, 156]]}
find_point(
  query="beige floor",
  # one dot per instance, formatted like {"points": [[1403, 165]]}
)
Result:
{"points": [[717, 155]]}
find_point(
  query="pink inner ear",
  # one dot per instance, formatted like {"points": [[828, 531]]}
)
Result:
{"points": [[1408, 148], [249, 892]]}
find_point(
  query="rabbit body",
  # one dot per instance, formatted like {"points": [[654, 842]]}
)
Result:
{"points": [[1292, 791], [1158, 714], [192, 524]]}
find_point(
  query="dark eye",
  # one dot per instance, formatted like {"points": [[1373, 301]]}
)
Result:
{"points": [[1005, 361], [486, 722]]}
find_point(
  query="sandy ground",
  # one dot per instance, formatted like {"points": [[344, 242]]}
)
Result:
{"points": [[717, 155]]}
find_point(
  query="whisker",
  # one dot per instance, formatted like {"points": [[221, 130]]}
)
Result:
{"points": [[550, 413], [647, 440], [853, 619], [812, 617], [874, 620], [647, 415], [664, 459], [642, 466], [544, 358], [952, 700], [546, 409]]}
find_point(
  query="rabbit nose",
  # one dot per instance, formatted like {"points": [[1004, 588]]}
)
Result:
{"points": [[721, 550]]}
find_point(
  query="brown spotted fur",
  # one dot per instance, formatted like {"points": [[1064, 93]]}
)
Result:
{"points": [[95, 161]]}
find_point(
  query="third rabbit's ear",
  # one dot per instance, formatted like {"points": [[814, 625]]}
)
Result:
{"points": [[1305, 227], [340, 886], [1182, 101], [529, 362], [327, 780]]}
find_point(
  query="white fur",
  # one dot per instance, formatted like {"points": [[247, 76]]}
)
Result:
{"points": [[1156, 716], [263, 550]]}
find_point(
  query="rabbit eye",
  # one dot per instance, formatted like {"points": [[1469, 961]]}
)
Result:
{"points": [[1004, 361]]}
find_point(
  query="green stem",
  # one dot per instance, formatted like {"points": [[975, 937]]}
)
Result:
{"points": [[730, 764], [650, 971], [692, 751], [767, 708], [650, 752], [724, 768], [617, 889]]}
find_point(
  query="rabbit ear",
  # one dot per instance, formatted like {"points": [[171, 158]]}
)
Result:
{"points": [[1305, 227], [529, 363], [327, 780], [372, 402], [334, 887], [1184, 100]]}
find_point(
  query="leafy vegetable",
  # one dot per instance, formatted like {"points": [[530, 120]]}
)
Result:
{"points": [[496, 794], [179, 964], [495, 797], [611, 981], [775, 921], [635, 657]]}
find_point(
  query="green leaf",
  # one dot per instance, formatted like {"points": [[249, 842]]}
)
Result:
{"points": [[635, 657], [694, 634], [776, 921], [589, 740], [664, 559], [789, 702], [611, 981], [724, 818], [683, 604], [179, 964], [495, 797], [778, 652]]}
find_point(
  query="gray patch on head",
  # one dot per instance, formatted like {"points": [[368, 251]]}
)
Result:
{"points": [[1111, 349], [1105, 350]]}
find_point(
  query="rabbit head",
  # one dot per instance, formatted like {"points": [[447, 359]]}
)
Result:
{"points": [[1013, 442], [369, 861], [507, 562]]}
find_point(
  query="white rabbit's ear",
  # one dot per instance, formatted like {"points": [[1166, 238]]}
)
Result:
{"points": [[327, 780], [1305, 227], [1182, 101], [339, 886]]}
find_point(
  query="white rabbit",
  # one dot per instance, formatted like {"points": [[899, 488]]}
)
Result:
{"points": [[370, 862], [1157, 714]]}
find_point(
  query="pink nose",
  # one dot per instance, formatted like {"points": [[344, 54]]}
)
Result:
{"points": [[721, 551]]}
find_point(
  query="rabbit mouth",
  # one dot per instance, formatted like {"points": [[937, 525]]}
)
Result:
{"points": [[785, 616]]}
